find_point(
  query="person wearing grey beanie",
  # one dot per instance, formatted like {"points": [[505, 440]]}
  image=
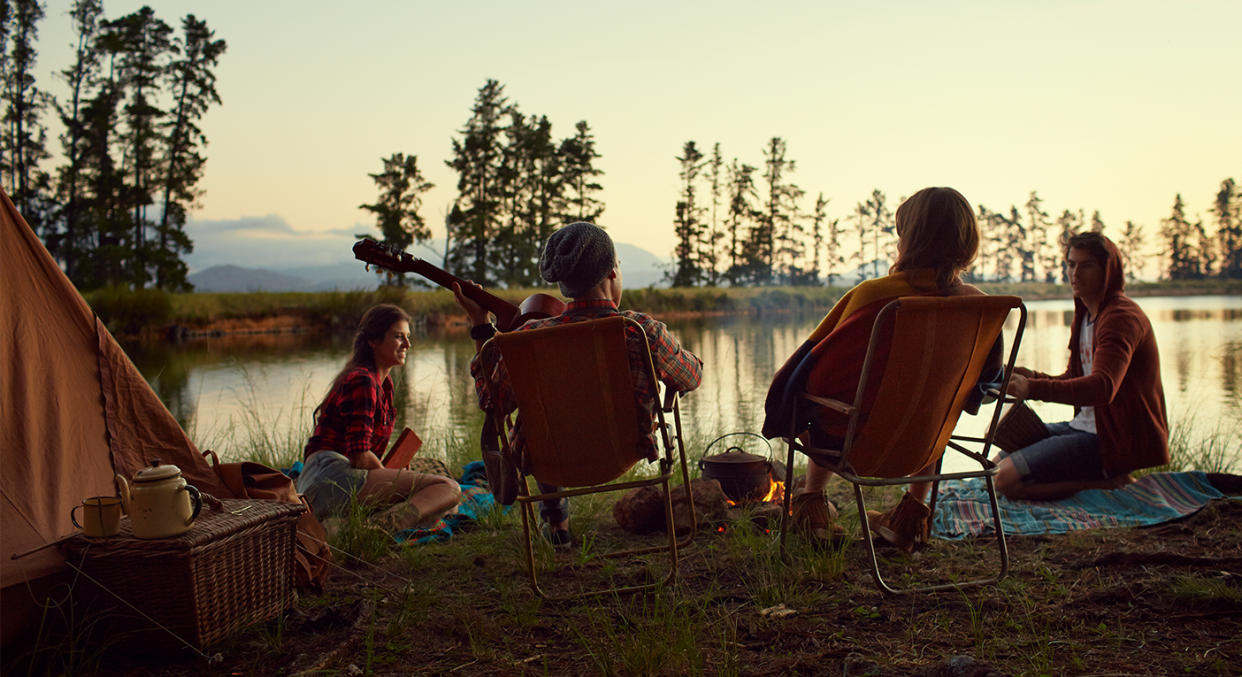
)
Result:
{"points": [[581, 259], [577, 257]]}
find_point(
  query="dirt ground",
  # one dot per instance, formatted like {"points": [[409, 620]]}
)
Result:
{"points": [[1159, 600]]}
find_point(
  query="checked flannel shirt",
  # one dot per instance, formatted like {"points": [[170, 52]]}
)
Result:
{"points": [[357, 416], [675, 367]]}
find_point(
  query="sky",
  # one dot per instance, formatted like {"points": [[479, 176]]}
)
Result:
{"points": [[1109, 105]]}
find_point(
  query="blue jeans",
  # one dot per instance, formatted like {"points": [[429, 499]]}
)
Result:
{"points": [[1067, 455], [554, 511]]}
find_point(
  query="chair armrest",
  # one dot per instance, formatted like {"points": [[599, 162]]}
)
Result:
{"points": [[670, 398], [835, 405]]}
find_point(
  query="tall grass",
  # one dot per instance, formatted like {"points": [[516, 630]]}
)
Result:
{"points": [[1214, 447]]}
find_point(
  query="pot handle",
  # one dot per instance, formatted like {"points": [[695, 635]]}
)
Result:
{"points": [[197, 498], [742, 432]]}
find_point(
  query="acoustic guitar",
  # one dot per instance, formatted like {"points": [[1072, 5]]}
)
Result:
{"points": [[508, 315]]}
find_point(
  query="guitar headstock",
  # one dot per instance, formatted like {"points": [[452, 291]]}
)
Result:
{"points": [[379, 254]]}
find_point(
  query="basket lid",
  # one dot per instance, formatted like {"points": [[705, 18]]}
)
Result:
{"points": [[157, 471]]}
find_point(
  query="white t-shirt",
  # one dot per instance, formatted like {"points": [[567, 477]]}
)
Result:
{"points": [[1085, 420]]}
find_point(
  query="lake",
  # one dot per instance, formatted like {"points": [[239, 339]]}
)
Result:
{"points": [[237, 394]]}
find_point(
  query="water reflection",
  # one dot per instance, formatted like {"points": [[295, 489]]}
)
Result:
{"points": [[225, 391]]}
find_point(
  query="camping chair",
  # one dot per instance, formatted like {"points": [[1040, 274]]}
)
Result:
{"points": [[575, 400], [938, 347]]}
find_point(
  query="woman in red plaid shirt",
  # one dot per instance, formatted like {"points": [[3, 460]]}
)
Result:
{"points": [[581, 258], [352, 427]]}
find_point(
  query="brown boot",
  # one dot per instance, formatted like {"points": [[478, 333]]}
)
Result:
{"points": [[905, 525], [815, 516]]}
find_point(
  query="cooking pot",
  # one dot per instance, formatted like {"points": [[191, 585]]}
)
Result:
{"points": [[743, 476]]}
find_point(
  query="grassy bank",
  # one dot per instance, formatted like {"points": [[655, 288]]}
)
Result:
{"points": [[1161, 600], [152, 311]]}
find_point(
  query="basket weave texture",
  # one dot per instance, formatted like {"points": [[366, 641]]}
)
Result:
{"points": [[234, 567]]}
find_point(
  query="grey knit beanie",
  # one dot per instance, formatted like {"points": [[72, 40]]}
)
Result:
{"points": [[577, 257]]}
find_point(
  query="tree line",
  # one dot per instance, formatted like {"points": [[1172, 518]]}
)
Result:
{"points": [[113, 211], [744, 224], [516, 184]]}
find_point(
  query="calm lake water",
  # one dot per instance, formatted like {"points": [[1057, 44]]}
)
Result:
{"points": [[238, 394]]}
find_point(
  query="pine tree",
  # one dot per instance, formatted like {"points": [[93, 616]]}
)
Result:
{"points": [[477, 159], [1067, 225], [144, 45], [401, 187], [1227, 208], [863, 227], [73, 243], [775, 239], [709, 244], [192, 84], [580, 175], [881, 228], [1038, 250], [687, 226], [1097, 222], [741, 214], [23, 141], [819, 223], [1178, 235], [1131, 246], [833, 254], [1014, 251]]}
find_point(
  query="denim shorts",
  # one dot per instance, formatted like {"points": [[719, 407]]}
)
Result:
{"points": [[329, 483], [1068, 455]]}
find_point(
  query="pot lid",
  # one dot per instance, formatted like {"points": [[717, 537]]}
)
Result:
{"points": [[157, 471], [735, 455]]}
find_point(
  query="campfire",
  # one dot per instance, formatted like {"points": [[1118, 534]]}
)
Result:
{"points": [[774, 494]]}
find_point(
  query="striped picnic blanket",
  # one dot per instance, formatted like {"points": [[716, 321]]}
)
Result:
{"points": [[962, 507]]}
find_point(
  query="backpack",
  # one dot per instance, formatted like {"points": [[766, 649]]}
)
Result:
{"points": [[255, 480]]}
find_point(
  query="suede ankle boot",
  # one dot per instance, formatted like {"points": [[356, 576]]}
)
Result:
{"points": [[816, 517], [904, 526]]}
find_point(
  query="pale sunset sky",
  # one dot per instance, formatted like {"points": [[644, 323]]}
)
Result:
{"points": [[1108, 105]]}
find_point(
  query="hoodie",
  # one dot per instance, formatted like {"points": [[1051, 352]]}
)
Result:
{"points": [[1124, 384]]}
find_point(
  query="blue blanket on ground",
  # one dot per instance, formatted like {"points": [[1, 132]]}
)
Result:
{"points": [[476, 501], [962, 507]]}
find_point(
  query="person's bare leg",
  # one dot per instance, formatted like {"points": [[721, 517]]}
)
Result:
{"points": [[420, 499], [816, 478]]}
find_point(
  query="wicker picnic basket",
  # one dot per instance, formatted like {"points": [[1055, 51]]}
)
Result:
{"points": [[234, 567], [1020, 427]]}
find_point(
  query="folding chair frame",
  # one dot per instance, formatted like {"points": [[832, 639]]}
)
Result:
{"points": [[987, 470], [668, 437]]}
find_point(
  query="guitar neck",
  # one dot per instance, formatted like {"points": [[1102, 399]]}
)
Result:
{"points": [[502, 309], [377, 254]]}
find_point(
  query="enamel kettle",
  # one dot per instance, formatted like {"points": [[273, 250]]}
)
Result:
{"points": [[160, 503]]}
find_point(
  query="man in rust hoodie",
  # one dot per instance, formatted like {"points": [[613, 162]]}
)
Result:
{"points": [[1113, 381]]}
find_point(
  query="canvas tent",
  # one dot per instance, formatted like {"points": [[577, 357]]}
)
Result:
{"points": [[74, 411]]}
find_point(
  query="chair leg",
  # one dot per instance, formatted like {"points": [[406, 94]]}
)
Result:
{"points": [[874, 561], [528, 518], [787, 501]]}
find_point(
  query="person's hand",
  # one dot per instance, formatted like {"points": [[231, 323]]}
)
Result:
{"points": [[367, 461], [476, 313], [1019, 386]]}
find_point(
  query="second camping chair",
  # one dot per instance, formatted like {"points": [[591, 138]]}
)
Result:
{"points": [[579, 423], [903, 414]]}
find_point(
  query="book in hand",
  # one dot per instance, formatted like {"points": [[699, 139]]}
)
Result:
{"points": [[403, 450]]}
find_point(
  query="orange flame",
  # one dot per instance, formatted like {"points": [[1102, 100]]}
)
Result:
{"points": [[776, 493]]}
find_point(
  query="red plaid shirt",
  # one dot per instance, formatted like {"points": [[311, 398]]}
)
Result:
{"points": [[357, 416], [676, 367]]}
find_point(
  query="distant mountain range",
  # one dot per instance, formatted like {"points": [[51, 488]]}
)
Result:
{"points": [[265, 254]]}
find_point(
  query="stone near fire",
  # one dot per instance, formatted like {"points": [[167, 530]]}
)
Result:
{"points": [[642, 510]]}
